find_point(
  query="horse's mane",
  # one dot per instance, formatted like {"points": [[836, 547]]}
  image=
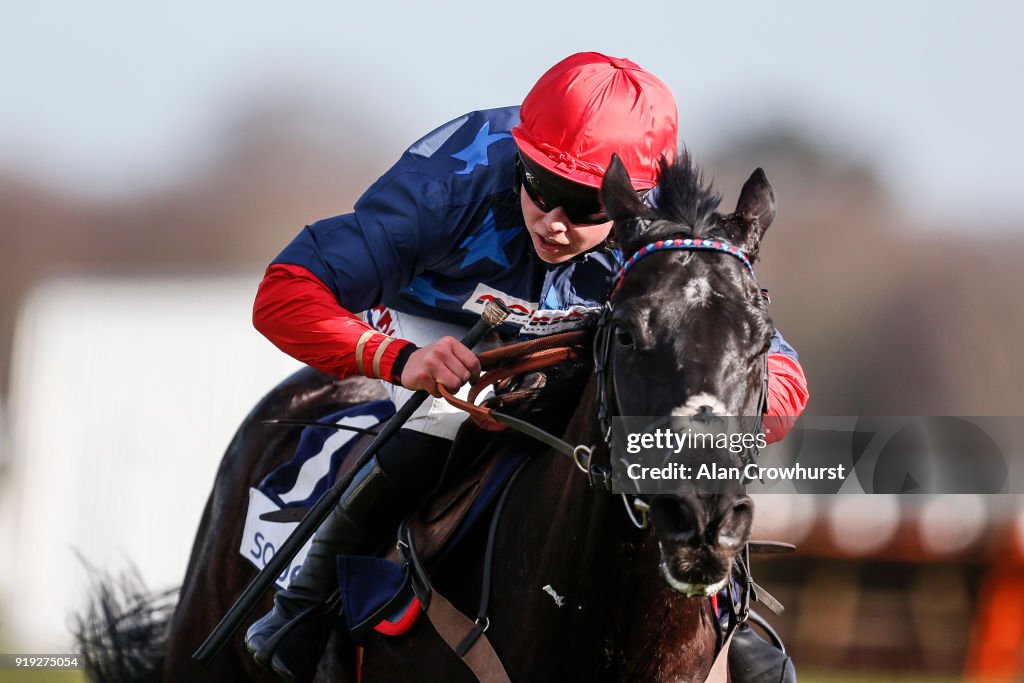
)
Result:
{"points": [[684, 198]]}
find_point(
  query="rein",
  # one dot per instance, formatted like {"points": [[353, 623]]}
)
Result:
{"points": [[529, 356], [503, 363]]}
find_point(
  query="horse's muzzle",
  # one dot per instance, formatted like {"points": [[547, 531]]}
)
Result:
{"points": [[698, 537]]}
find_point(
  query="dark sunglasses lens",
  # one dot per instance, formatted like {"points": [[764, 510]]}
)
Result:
{"points": [[533, 190], [586, 215], [578, 211]]}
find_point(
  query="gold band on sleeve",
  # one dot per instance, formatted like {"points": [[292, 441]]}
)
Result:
{"points": [[360, 347], [380, 354]]}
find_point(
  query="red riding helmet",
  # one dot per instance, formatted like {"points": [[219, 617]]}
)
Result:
{"points": [[589, 106]]}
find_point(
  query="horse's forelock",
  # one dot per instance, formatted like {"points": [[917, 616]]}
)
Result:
{"points": [[685, 198]]}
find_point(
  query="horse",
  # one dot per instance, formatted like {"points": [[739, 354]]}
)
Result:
{"points": [[579, 592]]}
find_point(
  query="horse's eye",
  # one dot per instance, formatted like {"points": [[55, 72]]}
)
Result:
{"points": [[623, 336]]}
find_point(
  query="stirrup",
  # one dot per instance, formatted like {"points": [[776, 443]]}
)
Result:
{"points": [[752, 659], [773, 635], [265, 654]]}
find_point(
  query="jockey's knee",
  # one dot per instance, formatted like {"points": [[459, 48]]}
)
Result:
{"points": [[414, 460]]}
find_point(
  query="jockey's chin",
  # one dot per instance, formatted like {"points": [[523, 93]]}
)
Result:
{"points": [[555, 238]]}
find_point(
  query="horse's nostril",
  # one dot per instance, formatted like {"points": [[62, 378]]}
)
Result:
{"points": [[736, 526], [676, 521], [743, 506]]}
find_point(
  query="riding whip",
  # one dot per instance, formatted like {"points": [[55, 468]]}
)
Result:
{"points": [[494, 313]]}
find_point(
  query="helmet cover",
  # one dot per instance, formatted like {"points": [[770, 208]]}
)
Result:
{"points": [[589, 106]]}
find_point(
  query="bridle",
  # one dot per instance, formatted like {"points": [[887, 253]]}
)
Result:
{"points": [[607, 401]]}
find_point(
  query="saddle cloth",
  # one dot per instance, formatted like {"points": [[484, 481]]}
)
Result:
{"points": [[370, 586]]}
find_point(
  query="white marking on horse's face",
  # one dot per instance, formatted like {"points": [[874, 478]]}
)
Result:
{"points": [[697, 292], [693, 406]]}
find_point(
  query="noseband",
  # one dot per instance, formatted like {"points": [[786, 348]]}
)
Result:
{"points": [[603, 334]]}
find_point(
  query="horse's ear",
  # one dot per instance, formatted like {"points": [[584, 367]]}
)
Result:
{"points": [[756, 209], [619, 198]]}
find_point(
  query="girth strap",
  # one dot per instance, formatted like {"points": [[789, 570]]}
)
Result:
{"points": [[464, 636], [720, 667], [453, 627]]}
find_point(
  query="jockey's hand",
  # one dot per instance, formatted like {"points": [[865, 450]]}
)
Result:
{"points": [[447, 361]]}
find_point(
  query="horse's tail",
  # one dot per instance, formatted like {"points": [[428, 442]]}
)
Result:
{"points": [[122, 636]]}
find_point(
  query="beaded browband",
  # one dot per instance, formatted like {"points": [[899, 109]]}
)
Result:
{"points": [[681, 244]]}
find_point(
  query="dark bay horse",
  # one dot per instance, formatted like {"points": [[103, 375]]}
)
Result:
{"points": [[579, 592]]}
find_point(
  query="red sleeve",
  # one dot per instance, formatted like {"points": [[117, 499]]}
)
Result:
{"points": [[300, 315], [787, 396]]}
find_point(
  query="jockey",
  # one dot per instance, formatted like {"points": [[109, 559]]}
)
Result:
{"points": [[501, 203]]}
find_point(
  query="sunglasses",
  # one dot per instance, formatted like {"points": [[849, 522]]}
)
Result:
{"points": [[580, 204]]}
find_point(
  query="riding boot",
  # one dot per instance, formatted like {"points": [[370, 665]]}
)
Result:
{"points": [[752, 659], [290, 638]]}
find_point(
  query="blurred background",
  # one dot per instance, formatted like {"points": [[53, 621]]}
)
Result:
{"points": [[154, 159]]}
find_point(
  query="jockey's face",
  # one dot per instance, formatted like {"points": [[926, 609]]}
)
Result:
{"points": [[555, 238]]}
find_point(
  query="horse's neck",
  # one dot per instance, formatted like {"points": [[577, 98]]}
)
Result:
{"points": [[614, 611], [605, 572]]}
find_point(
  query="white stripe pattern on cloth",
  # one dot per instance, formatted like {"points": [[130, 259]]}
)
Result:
{"points": [[317, 467]]}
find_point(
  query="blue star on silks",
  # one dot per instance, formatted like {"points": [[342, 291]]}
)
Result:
{"points": [[475, 154], [422, 287], [488, 243], [551, 300]]}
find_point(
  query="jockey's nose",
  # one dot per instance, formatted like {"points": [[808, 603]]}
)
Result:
{"points": [[556, 221]]}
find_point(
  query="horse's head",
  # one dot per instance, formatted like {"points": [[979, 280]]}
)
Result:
{"points": [[688, 336]]}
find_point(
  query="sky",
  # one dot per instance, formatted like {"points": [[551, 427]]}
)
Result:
{"points": [[109, 98]]}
